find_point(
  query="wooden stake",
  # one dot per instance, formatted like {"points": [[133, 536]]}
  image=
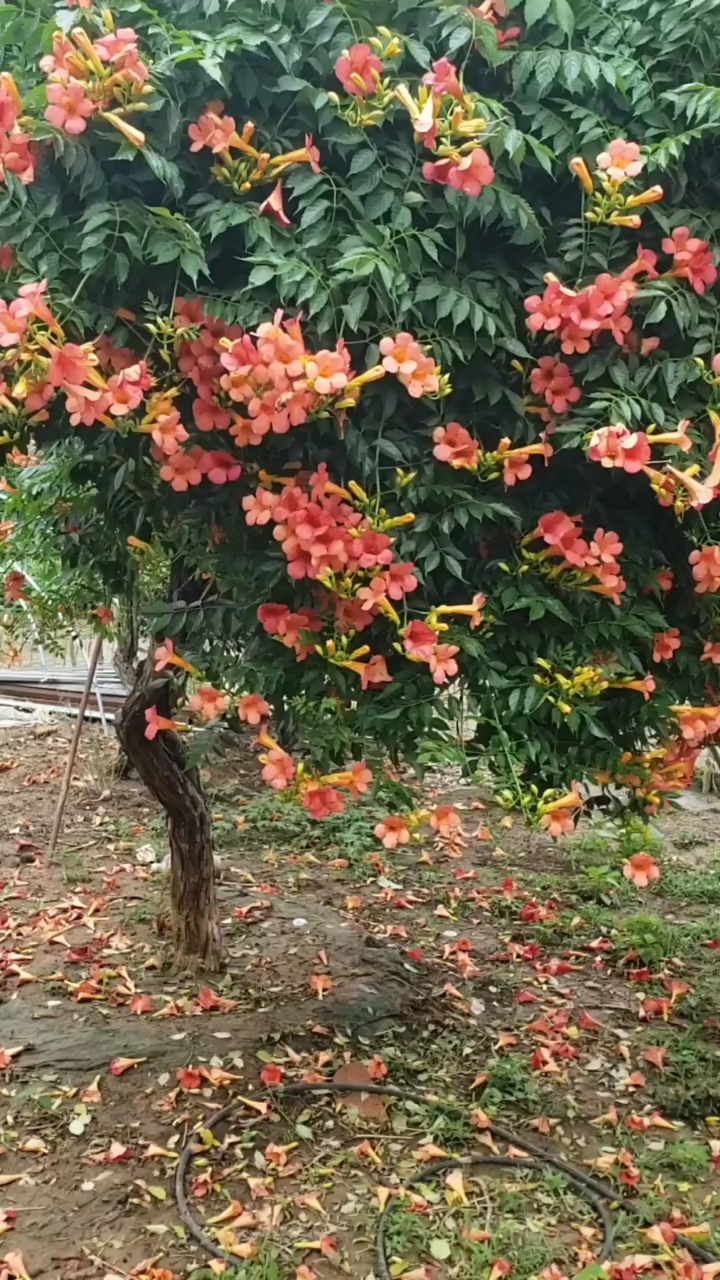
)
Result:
{"points": [[62, 799]]}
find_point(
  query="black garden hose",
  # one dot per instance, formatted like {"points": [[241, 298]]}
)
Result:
{"points": [[596, 1193]]}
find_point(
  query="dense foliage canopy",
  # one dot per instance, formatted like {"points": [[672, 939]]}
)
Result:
{"points": [[179, 172]]}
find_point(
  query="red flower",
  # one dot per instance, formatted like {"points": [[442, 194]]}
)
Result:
{"points": [[69, 107], [253, 708], [271, 616], [666, 642], [553, 380], [443, 79], [272, 205], [278, 770], [443, 664], [393, 831], [375, 672], [359, 70], [208, 703], [14, 586], [692, 258], [642, 869], [419, 641], [617, 446], [706, 569], [472, 173], [320, 802], [455, 445], [272, 1074]]}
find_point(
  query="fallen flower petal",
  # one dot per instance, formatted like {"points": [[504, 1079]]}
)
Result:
{"points": [[656, 1056], [320, 983], [119, 1066]]}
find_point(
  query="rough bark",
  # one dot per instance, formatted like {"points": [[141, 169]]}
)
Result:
{"points": [[161, 764]]}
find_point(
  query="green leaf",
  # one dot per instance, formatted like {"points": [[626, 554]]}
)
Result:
{"points": [[362, 160], [454, 566], [564, 16], [356, 305], [657, 312], [417, 51], [572, 67], [440, 1249], [261, 275], [535, 10], [378, 202], [547, 67], [165, 170]]}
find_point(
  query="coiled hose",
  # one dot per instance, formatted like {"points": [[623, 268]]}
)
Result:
{"points": [[596, 1193]]}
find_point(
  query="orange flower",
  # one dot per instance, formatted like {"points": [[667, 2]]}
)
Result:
{"points": [[666, 642], [558, 824], [393, 831], [105, 615], [279, 769], [157, 722], [641, 868], [208, 703], [444, 820], [273, 207], [165, 656], [252, 708]]}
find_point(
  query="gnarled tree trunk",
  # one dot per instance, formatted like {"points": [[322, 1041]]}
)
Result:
{"points": [[161, 764]]}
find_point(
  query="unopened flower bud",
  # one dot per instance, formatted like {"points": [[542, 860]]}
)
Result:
{"points": [[581, 171], [651, 196], [632, 220]]}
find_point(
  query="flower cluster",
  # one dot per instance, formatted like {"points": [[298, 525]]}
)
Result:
{"points": [[579, 316], [654, 774], [360, 70], [339, 539], [697, 724], [557, 816], [618, 447], [619, 164], [269, 382], [455, 446], [581, 560], [104, 77], [417, 372], [448, 121], [329, 537], [251, 167], [37, 362], [321, 796], [18, 154]]}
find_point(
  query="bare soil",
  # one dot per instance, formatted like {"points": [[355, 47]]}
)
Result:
{"points": [[87, 1185]]}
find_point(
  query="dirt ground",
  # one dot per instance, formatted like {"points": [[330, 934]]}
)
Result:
{"points": [[497, 968]]}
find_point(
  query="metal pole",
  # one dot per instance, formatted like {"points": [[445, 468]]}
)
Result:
{"points": [[100, 704], [62, 799]]}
